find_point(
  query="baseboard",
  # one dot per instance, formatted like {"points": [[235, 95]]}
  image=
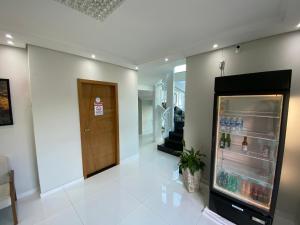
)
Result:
{"points": [[204, 180], [204, 186], [44, 194], [28, 193]]}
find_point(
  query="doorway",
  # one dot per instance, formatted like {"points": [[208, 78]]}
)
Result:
{"points": [[145, 111], [99, 125]]}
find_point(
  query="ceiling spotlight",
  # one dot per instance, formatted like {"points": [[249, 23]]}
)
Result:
{"points": [[10, 42], [215, 45], [136, 68], [237, 49], [93, 56], [166, 59], [298, 25], [9, 36]]}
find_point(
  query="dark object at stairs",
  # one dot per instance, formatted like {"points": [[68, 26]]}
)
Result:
{"points": [[174, 143]]}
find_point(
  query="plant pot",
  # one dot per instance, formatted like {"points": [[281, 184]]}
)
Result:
{"points": [[191, 182]]}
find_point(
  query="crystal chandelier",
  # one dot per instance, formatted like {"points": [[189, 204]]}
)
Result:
{"points": [[98, 9]]}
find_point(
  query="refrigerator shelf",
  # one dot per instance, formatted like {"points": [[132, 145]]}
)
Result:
{"points": [[249, 154], [251, 134], [259, 114], [245, 173], [249, 115]]}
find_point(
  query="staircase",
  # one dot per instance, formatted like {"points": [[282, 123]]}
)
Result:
{"points": [[174, 143]]}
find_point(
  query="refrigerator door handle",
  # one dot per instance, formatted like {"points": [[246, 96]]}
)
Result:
{"points": [[258, 220], [238, 208]]}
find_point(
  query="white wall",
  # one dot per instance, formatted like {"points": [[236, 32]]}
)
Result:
{"points": [[17, 141], [56, 114], [180, 85], [274, 53], [145, 87], [147, 116]]}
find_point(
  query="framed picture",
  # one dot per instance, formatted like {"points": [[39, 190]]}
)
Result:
{"points": [[5, 103]]}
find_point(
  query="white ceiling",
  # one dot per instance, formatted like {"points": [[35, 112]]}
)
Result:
{"points": [[152, 72], [142, 31]]}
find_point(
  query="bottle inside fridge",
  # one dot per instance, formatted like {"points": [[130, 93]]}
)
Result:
{"points": [[245, 144], [246, 150]]}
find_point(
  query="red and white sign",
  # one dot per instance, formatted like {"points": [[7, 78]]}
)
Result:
{"points": [[98, 107]]}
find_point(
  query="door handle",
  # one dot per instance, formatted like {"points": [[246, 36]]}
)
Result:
{"points": [[87, 129], [238, 208], [258, 220]]}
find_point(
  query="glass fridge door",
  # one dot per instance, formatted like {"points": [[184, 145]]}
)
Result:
{"points": [[248, 130]]}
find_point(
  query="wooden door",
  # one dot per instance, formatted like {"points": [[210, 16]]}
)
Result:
{"points": [[99, 128]]}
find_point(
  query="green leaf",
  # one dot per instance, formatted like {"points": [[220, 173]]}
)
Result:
{"points": [[191, 159]]}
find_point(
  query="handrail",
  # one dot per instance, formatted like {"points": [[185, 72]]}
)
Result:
{"points": [[167, 121]]}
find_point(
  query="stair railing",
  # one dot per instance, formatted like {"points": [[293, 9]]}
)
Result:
{"points": [[166, 122]]}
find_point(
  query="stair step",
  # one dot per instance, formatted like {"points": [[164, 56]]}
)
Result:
{"points": [[178, 130], [177, 145], [168, 150], [175, 142], [179, 124], [175, 136]]}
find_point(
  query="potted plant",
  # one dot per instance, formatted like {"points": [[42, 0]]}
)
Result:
{"points": [[191, 165]]}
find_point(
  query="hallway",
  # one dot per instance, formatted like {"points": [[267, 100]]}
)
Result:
{"points": [[144, 189]]}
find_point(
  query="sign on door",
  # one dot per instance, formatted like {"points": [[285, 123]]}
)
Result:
{"points": [[98, 107]]}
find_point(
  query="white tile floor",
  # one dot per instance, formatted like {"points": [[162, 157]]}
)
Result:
{"points": [[144, 190]]}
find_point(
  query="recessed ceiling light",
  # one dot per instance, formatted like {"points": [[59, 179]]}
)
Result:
{"points": [[93, 56], [136, 68], [10, 42], [9, 36], [215, 45], [298, 25], [166, 59]]}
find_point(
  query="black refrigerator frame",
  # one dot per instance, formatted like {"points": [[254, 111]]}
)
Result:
{"points": [[273, 82]]}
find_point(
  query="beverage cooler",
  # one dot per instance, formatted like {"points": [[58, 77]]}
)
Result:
{"points": [[249, 126]]}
